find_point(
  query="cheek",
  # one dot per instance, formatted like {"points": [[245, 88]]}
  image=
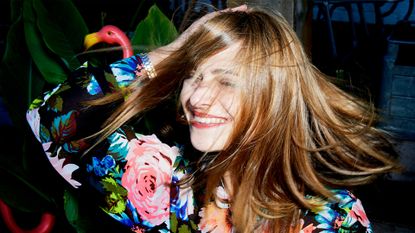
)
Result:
{"points": [[184, 95], [232, 104]]}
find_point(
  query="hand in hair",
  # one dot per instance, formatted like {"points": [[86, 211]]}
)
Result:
{"points": [[202, 20], [159, 54]]}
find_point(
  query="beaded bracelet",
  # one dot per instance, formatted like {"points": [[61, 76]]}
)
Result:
{"points": [[151, 72]]}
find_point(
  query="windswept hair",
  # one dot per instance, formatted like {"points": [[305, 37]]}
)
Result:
{"points": [[296, 132]]}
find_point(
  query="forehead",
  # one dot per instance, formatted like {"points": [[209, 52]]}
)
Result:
{"points": [[223, 62]]}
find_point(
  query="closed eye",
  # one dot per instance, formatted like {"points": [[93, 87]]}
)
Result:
{"points": [[227, 83], [198, 78], [193, 77]]}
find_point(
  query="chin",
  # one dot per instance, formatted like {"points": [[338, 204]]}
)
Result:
{"points": [[204, 146]]}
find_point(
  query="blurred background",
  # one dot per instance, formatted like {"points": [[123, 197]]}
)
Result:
{"points": [[367, 45]]}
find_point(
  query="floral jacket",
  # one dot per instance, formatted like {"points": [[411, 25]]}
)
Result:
{"points": [[133, 174]]}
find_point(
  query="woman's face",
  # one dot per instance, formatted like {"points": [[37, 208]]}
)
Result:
{"points": [[211, 99]]}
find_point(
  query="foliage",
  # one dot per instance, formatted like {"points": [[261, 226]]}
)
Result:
{"points": [[43, 47], [154, 30]]}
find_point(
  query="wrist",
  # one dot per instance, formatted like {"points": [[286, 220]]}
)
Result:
{"points": [[148, 66], [156, 56]]}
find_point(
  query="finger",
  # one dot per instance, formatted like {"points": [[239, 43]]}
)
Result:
{"points": [[243, 7]]}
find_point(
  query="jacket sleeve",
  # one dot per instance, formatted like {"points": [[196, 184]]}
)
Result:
{"points": [[61, 119], [345, 214]]}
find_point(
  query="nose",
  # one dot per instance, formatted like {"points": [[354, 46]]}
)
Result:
{"points": [[203, 96]]}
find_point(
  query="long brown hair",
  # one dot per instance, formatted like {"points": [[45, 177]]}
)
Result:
{"points": [[296, 133]]}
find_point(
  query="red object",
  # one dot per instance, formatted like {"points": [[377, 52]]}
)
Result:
{"points": [[111, 35], [108, 34], [45, 226]]}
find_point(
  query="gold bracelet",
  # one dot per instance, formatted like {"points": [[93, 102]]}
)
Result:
{"points": [[151, 72]]}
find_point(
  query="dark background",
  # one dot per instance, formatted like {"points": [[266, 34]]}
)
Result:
{"points": [[389, 202]]}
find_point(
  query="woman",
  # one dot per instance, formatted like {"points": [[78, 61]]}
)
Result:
{"points": [[270, 145]]}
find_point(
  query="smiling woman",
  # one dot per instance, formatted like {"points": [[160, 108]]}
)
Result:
{"points": [[211, 100], [250, 136]]}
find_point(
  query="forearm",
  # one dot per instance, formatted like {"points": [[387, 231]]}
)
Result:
{"points": [[159, 54]]}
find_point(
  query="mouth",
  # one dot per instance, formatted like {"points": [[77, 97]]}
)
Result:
{"points": [[202, 120]]}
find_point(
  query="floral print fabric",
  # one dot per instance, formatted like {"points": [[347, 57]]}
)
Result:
{"points": [[147, 178], [135, 175]]}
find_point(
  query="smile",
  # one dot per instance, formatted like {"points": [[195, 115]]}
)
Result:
{"points": [[205, 121], [209, 120]]}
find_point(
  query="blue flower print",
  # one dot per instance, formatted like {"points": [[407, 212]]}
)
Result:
{"points": [[93, 87], [329, 220], [101, 168], [123, 71]]}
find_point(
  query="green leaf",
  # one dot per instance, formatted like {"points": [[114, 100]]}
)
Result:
{"points": [[48, 65], [20, 81], [15, 10], [77, 214], [71, 207], [154, 31], [20, 193], [62, 28]]}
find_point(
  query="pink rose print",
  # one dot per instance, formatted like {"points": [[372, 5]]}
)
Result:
{"points": [[147, 177], [358, 213]]}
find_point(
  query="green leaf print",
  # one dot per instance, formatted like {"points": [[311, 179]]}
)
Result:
{"points": [[64, 126], [110, 185], [116, 203], [36, 103], [57, 105], [44, 134], [173, 223], [184, 229]]}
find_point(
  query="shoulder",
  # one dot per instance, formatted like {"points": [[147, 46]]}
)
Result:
{"points": [[343, 214]]}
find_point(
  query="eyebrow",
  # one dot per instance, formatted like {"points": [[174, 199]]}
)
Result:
{"points": [[223, 71]]}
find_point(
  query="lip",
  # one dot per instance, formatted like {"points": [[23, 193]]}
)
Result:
{"points": [[211, 120], [202, 114], [200, 125]]}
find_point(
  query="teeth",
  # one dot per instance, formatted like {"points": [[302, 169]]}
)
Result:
{"points": [[206, 120]]}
